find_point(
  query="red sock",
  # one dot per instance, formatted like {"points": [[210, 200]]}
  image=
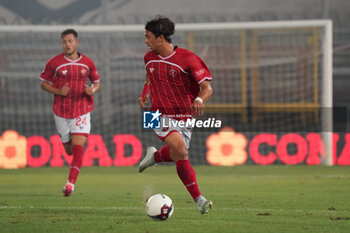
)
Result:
{"points": [[188, 177], [77, 161], [163, 155]]}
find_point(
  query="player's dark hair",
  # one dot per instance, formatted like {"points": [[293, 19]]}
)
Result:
{"points": [[161, 25], [69, 31]]}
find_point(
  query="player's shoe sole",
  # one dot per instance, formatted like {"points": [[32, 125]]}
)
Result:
{"points": [[148, 160], [204, 209]]}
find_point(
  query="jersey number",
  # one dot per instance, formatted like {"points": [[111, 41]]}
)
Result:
{"points": [[80, 121]]}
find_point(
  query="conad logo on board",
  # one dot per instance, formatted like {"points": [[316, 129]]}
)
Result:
{"points": [[224, 148]]}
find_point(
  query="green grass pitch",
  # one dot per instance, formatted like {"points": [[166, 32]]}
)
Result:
{"points": [[246, 199]]}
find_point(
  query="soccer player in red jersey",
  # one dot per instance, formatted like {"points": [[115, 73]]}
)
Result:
{"points": [[178, 84], [65, 75]]}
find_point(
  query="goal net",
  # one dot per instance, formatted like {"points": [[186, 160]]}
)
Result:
{"points": [[269, 78]]}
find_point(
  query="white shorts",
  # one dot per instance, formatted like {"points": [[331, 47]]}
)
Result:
{"points": [[172, 127], [76, 126]]}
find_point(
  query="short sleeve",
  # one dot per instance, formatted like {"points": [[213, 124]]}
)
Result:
{"points": [[48, 72], [199, 69], [94, 76]]}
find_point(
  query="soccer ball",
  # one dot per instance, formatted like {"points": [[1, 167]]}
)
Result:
{"points": [[159, 207]]}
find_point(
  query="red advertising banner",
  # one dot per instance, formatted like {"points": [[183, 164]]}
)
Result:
{"points": [[224, 148]]}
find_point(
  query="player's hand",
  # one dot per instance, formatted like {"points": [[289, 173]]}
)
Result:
{"points": [[143, 102], [198, 108], [89, 90], [64, 90]]}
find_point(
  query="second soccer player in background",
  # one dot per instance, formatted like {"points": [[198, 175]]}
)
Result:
{"points": [[65, 76]]}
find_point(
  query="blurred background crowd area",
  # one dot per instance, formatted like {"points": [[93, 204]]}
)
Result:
{"points": [[95, 12], [290, 68]]}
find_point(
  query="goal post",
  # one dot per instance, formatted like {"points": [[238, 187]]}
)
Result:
{"points": [[319, 103], [325, 53], [268, 77]]}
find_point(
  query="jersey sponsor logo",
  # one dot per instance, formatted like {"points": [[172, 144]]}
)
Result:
{"points": [[173, 73], [199, 72], [151, 70]]}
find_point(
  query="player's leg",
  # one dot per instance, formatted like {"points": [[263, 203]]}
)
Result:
{"points": [[179, 154], [154, 156], [163, 155], [63, 129], [80, 128], [68, 147], [78, 142]]}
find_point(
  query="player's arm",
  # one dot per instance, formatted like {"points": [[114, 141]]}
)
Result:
{"points": [[94, 77], [145, 93], [204, 94], [46, 80], [91, 90], [57, 91]]}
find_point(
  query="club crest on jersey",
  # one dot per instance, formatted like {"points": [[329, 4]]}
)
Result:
{"points": [[151, 70], [173, 73], [64, 72], [83, 72]]}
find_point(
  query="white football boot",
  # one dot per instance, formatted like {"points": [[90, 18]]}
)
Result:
{"points": [[203, 204], [68, 189], [148, 160]]}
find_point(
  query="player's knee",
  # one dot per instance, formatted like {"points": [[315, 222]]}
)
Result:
{"points": [[180, 153]]}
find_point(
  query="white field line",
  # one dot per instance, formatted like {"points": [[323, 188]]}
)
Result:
{"points": [[290, 176], [181, 208]]}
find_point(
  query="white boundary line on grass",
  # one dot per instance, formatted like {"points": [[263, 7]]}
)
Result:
{"points": [[295, 176], [181, 208]]}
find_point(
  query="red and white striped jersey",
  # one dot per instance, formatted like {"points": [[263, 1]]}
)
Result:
{"points": [[174, 81], [60, 70]]}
